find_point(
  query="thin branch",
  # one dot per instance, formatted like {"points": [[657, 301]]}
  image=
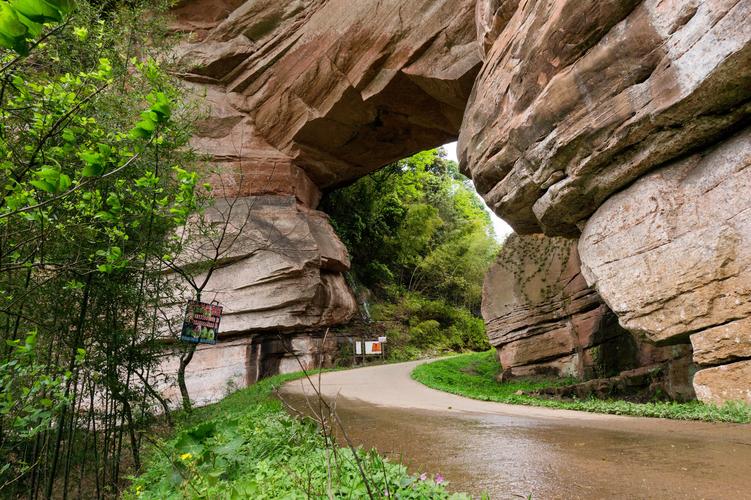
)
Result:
{"points": [[54, 128], [75, 188], [35, 45]]}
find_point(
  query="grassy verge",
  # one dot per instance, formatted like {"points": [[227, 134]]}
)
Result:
{"points": [[473, 375], [247, 446]]}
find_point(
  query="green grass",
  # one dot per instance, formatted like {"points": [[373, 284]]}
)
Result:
{"points": [[247, 446], [473, 375]]}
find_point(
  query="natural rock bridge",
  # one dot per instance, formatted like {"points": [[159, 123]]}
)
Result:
{"points": [[614, 134]]}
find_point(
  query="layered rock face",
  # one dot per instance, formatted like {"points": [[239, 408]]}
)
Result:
{"points": [[337, 88], [278, 277], [218, 370], [279, 266], [671, 254], [624, 122], [301, 96], [578, 98], [540, 314], [544, 320]]}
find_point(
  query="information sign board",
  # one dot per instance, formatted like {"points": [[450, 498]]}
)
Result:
{"points": [[201, 323]]}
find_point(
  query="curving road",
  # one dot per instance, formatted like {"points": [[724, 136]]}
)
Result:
{"points": [[513, 451]]}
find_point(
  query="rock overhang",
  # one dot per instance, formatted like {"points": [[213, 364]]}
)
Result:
{"points": [[558, 105], [337, 88]]}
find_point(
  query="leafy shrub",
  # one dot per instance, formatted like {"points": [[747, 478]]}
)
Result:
{"points": [[96, 179], [417, 326], [426, 333], [416, 225], [247, 447]]}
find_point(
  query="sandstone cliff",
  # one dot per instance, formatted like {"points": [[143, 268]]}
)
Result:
{"points": [[624, 122], [627, 122]]}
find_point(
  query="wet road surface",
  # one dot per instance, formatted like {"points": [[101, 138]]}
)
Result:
{"points": [[514, 451]]}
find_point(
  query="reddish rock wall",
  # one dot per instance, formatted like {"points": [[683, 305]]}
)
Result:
{"points": [[671, 255], [544, 320], [218, 370], [337, 88], [578, 98], [571, 105], [577, 103]]}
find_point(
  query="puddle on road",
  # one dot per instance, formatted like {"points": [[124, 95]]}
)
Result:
{"points": [[513, 457]]}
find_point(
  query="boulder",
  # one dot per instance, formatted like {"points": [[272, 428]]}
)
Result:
{"points": [[280, 267], [543, 319], [723, 344], [724, 383], [579, 98], [671, 254]]}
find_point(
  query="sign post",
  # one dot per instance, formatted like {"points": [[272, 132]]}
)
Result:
{"points": [[370, 347]]}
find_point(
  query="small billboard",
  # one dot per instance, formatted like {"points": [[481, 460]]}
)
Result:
{"points": [[372, 347], [201, 322]]}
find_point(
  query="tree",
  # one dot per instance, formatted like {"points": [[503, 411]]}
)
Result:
{"points": [[420, 238], [417, 224], [91, 193]]}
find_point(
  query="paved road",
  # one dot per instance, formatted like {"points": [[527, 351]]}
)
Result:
{"points": [[511, 451]]}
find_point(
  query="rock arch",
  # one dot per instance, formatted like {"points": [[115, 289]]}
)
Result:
{"points": [[570, 114]]}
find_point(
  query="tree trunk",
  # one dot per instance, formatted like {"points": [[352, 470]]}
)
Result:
{"points": [[184, 361]]}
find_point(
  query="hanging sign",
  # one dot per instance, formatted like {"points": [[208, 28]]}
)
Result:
{"points": [[201, 323]]}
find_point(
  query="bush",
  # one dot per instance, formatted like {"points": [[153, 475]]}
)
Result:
{"points": [[416, 225], [247, 446], [417, 327]]}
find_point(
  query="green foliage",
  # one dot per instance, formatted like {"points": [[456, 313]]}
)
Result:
{"points": [[473, 376], [30, 392], [417, 326], [22, 20], [417, 224], [247, 446], [420, 238], [94, 181]]}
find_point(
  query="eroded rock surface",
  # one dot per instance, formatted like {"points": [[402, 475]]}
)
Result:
{"points": [[578, 98], [543, 318], [337, 88], [218, 370], [671, 254], [609, 109], [280, 266], [723, 344], [724, 383], [303, 95]]}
